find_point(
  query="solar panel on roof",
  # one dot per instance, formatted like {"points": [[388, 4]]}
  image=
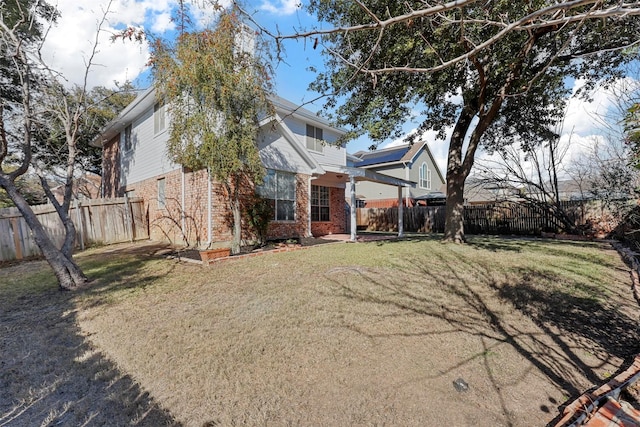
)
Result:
{"points": [[385, 156]]}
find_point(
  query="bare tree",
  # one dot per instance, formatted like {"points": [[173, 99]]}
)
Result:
{"points": [[535, 176], [38, 103]]}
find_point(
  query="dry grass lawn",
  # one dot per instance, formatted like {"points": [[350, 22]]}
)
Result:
{"points": [[342, 334]]}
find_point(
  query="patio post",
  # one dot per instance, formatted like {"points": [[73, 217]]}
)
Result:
{"points": [[400, 213], [354, 223]]}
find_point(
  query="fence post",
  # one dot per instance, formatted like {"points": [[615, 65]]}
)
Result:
{"points": [[400, 213], [80, 227], [129, 217]]}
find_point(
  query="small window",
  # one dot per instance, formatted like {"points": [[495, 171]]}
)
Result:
{"points": [[425, 177], [161, 193], [319, 203], [126, 142], [314, 138], [159, 118]]}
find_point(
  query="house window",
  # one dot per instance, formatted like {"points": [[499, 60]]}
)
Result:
{"points": [[280, 188], [319, 203], [314, 138], [159, 118], [425, 177], [126, 143], [162, 198]]}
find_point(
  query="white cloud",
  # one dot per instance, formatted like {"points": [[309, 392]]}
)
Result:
{"points": [[281, 7], [592, 117], [162, 23], [70, 42]]}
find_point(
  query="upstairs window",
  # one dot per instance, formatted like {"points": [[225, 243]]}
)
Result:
{"points": [[314, 138], [159, 118], [319, 203], [425, 177], [126, 139], [280, 189]]}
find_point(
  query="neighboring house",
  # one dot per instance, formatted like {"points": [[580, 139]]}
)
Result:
{"points": [[411, 162], [305, 177], [86, 186], [570, 189], [479, 191]]}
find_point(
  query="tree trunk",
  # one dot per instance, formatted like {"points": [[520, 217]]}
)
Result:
{"points": [[454, 210], [237, 225], [234, 201], [63, 214], [69, 275]]}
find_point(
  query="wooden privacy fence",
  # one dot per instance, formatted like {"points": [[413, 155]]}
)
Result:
{"points": [[491, 218], [97, 221]]}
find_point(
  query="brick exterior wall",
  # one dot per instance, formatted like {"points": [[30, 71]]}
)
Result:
{"points": [[165, 223], [111, 168], [297, 228], [338, 217]]}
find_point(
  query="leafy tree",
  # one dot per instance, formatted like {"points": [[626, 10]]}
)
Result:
{"points": [[29, 186], [30, 31], [497, 72], [216, 91], [31, 110]]}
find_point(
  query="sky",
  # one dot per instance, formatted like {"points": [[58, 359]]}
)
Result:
{"points": [[69, 46]]}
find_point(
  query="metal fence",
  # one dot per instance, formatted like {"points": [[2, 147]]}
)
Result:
{"points": [[97, 221]]}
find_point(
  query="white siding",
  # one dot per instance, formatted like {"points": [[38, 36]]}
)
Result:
{"points": [[331, 155], [374, 190], [414, 175], [147, 157], [277, 153]]}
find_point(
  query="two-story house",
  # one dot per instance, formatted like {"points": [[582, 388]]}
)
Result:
{"points": [[409, 162], [306, 176]]}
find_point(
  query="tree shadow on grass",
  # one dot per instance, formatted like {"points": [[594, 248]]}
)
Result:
{"points": [[471, 299], [118, 270], [598, 322], [51, 375]]}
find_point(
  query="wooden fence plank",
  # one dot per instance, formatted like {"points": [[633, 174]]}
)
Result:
{"points": [[16, 238], [490, 218], [101, 221]]}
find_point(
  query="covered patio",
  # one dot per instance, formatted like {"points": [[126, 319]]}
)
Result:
{"points": [[353, 175]]}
